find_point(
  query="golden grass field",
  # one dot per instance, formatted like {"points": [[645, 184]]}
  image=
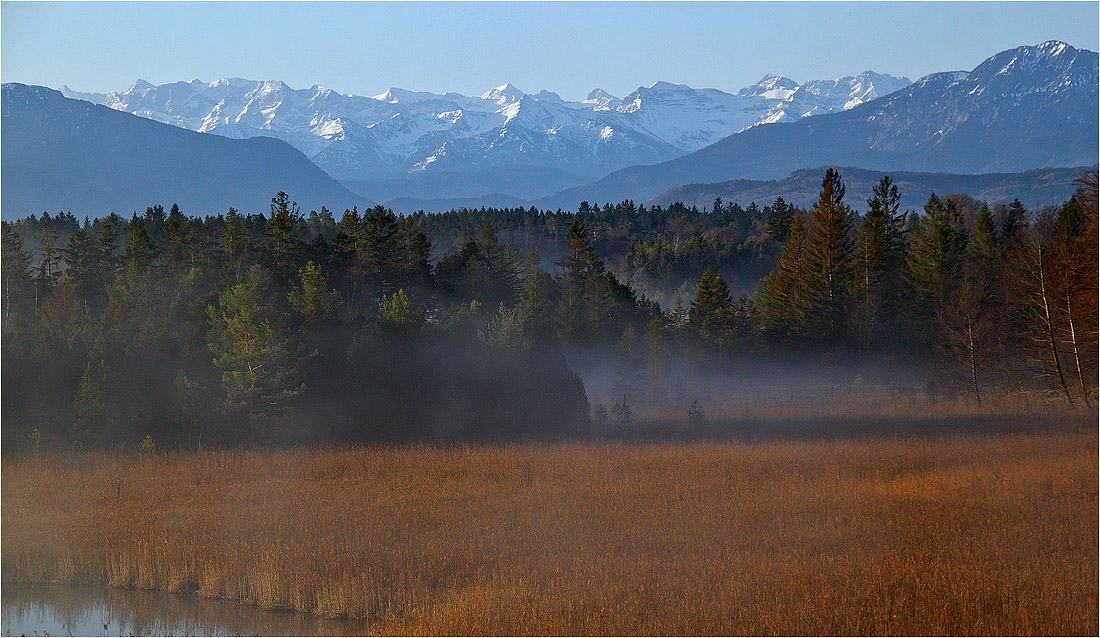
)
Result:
{"points": [[954, 535]]}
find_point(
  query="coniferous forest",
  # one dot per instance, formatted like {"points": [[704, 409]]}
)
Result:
{"points": [[287, 328]]}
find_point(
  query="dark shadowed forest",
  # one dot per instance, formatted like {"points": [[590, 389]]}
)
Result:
{"points": [[170, 329]]}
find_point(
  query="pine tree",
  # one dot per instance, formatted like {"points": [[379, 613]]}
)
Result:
{"points": [[498, 274], [107, 263], [777, 227], [81, 257], [154, 219], [710, 312], [783, 292], [175, 241], [537, 300], [16, 274], [829, 250], [381, 250], [508, 331], [935, 261], [1014, 220], [49, 264], [248, 340], [878, 263], [236, 244], [140, 250], [283, 238], [311, 299], [416, 253], [581, 267], [399, 311]]}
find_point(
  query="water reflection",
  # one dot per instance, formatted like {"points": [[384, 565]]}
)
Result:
{"points": [[63, 610]]}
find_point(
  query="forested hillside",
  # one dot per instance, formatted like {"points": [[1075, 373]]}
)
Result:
{"points": [[291, 328]]}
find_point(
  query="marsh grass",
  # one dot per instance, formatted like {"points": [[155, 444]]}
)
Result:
{"points": [[951, 535]]}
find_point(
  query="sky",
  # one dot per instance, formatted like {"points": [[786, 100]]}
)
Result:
{"points": [[568, 47]]}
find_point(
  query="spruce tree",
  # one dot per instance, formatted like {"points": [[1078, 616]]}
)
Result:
{"points": [[710, 312], [829, 250], [580, 267], [934, 263], [784, 290], [777, 225], [283, 238], [878, 262], [236, 244], [140, 250], [381, 249]]}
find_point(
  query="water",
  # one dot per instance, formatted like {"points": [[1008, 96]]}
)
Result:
{"points": [[64, 610]]}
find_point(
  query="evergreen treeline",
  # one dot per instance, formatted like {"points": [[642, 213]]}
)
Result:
{"points": [[234, 329]]}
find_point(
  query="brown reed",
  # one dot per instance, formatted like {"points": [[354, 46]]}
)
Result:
{"points": [[955, 535]]}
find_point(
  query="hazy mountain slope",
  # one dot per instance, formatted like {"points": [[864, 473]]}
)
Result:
{"points": [[1029, 107], [63, 154], [1044, 186]]}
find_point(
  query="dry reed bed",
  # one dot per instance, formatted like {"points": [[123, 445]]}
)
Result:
{"points": [[961, 535]]}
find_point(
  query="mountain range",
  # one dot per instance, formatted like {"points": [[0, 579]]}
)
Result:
{"points": [[1025, 108], [236, 142], [407, 143]]}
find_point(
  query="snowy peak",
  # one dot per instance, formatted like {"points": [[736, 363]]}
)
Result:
{"points": [[600, 94], [398, 131], [661, 85], [1054, 47], [139, 85], [503, 94], [851, 91], [1049, 66], [600, 100], [772, 87], [402, 96], [818, 96]]}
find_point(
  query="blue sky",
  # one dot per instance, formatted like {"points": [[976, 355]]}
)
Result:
{"points": [[365, 48]]}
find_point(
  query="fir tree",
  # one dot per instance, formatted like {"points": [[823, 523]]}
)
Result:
{"points": [[784, 291], [283, 238], [829, 250], [878, 265], [140, 250], [934, 262]]}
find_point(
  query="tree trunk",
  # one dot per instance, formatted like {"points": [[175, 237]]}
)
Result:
{"points": [[1076, 350], [973, 359], [1049, 338]]}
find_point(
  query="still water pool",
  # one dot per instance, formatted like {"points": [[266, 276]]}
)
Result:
{"points": [[64, 610]]}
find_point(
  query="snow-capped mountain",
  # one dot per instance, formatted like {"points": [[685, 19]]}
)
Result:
{"points": [[404, 135], [1021, 109], [821, 96]]}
